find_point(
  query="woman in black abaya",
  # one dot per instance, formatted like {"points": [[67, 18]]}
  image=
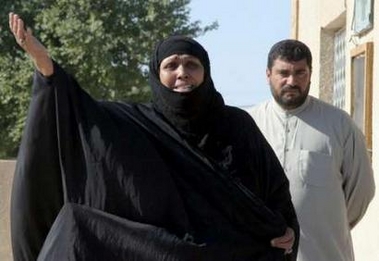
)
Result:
{"points": [[185, 177]]}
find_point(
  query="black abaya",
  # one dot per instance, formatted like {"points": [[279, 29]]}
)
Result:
{"points": [[115, 181]]}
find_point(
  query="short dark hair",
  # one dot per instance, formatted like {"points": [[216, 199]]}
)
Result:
{"points": [[289, 50]]}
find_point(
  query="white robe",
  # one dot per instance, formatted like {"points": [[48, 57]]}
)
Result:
{"points": [[325, 158]]}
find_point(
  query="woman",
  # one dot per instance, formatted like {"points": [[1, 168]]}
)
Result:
{"points": [[183, 178]]}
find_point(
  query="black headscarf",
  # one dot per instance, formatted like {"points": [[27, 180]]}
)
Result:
{"points": [[191, 113]]}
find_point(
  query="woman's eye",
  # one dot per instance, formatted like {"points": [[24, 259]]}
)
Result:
{"points": [[193, 65], [170, 66]]}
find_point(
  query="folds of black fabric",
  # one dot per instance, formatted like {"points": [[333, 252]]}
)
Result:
{"points": [[83, 233], [134, 181]]}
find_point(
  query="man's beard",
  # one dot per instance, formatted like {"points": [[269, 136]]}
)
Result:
{"points": [[292, 102]]}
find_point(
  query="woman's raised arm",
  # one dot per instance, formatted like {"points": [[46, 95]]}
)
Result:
{"points": [[37, 52]]}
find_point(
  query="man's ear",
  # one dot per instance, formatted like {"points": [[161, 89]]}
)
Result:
{"points": [[268, 74]]}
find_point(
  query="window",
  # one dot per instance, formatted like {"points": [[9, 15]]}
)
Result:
{"points": [[363, 16], [339, 83], [361, 91]]}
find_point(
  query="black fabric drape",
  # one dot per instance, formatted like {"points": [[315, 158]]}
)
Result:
{"points": [[116, 174]]}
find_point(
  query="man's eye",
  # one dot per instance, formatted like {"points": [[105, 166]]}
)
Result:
{"points": [[301, 73], [284, 74]]}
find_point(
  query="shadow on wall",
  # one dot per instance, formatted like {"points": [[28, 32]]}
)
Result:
{"points": [[6, 176]]}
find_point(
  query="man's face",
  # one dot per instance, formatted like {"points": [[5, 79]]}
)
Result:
{"points": [[181, 73], [289, 82]]}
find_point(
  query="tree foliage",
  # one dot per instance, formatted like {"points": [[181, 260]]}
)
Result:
{"points": [[106, 44]]}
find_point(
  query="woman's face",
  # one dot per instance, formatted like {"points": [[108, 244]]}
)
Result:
{"points": [[181, 72]]}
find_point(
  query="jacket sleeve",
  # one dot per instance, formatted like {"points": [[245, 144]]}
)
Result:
{"points": [[358, 185]]}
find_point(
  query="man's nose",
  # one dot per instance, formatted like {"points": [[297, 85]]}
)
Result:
{"points": [[291, 79]]}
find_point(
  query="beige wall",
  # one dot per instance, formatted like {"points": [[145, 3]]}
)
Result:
{"points": [[317, 22], [330, 11], [6, 177], [310, 37], [375, 97]]}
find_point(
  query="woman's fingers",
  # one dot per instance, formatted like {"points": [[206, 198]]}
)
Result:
{"points": [[17, 26], [20, 31], [11, 21]]}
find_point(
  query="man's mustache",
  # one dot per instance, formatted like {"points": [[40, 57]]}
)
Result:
{"points": [[291, 88]]}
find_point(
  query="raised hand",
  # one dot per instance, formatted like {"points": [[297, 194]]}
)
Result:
{"points": [[31, 45]]}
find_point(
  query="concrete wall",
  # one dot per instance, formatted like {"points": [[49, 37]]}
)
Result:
{"points": [[6, 177]]}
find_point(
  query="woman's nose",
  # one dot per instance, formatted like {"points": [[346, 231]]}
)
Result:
{"points": [[182, 72]]}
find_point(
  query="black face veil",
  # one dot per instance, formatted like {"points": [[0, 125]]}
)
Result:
{"points": [[191, 113]]}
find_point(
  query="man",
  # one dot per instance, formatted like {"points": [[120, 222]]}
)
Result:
{"points": [[322, 152]]}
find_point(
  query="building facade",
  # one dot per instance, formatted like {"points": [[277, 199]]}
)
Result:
{"points": [[343, 36]]}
